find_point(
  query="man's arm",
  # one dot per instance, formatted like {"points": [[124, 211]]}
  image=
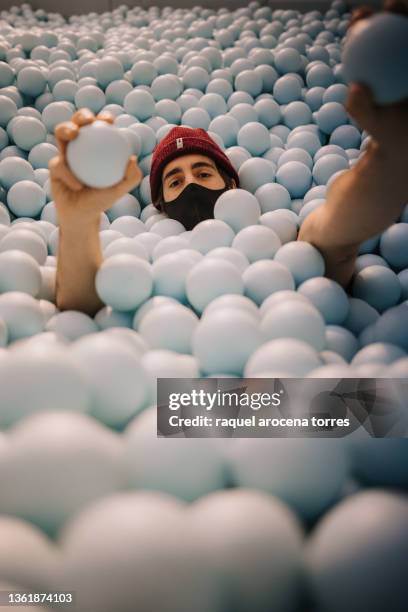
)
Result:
{"points": [[79, 209], [367, 199]]}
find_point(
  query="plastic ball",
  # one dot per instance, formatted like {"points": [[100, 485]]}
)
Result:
{"points": [[330, 116], [288, 60], [391, 327], [287, 89], [341, 341], [394, 245], [379, 462], [124, 281], [26, 241], [327, 166], [234, 302], [296, 113], [295, 320], [26, 198], [378, 352], [209, 279], [19, 272], [140, 104], [377, 285], [224, 340], [268, 112], [237, 208], [328, 297], [320, 75], [227, 127], [359, 316], [296, 177], [90, 97], [253, 173], [254, 137], [346, 136], [71, 325], [28, 132], [249, 81], [99, 155], [210, 234], [349, 559], [375, 54], [263, 278], [302, 259], [257, 242], [294, 356]]}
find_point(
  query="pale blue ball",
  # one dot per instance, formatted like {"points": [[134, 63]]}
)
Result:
{"points": [[28, 132], [166, 65], [22, 315], [328, 297], [320, 75], [91, 97], [302, 259], [209, 279], [346, 136], [166, 86], [227, 128], [403, 278], [380, 462], [64, 91], [268, 112], [41, 154], [169, 327], [214, 104], [314, 98], [6, 75], [234, 302], [31, 81], [186, 101], [254, 173], [14, 169], [237, 208], [392, 327], [376, 53], [170, 272], [237, 156], [370, 245], [257, 242], [360, 316], [304, 140], [288, 60], [71, 325], [243, 113], [143, 73], [224, 340], [99, 155], [394, 245], [341, 341], [272, 196], [197, 118], [117, 91], [327, 166], [377, 285], [330, 149], [297, 320], [170, 244], [295, 154], [109, 69], [19, 271], [263, 278], [378, 352], [221, 87], [282, 131], [364, 261], [26, 199], [239, 97], [284, 354], [249, 81], [140, 104], [254, 137], [308, 208], [8, 110], [296, 113], [330, 116], [318, 53], [147, 137], [210, 234], [124, 282], [283, 224], [196, 77], [55, 113], [296, 177], [287, 89]]}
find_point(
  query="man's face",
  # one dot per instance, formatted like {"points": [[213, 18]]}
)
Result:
{"points": [[187, 169]]}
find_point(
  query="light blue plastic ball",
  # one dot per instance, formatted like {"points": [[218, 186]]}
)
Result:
{"points": [[91, 97], [394, 245], [224, 339], [237, 156], [166, 86], [209, 279], [376, 53], [272, 196], [41, 154], [254, 173], [302, 259], [380, 462], [26, 199], [360, 316], [8, 110], [71, 324], [403, 279], [296, 177], [143, 73], [28, 132], [22, 315], [147, 137], [31, 81], [295, 154], [64, 91], [250, 82], [326, 166], [140, 104], [346, 136], [257, 242], [109, 69], [287, 89], [210, 234], [320, 75], [283, 222], [330, 116], [117, 91], [221, 87], [392, 327], [197, 118], [227, 128], [341, 341], [364, 261], [99, 155], [296, 113], [14, 169], [378, 352], [243, 113], [237, 208], [196, 77], [284, 354], [297, 320], [264, 278], [124, 282], [239, 97], [328, 297], [288, 60], [19, 271], [268, 112], [169, 327], [377, 285], [314, 98]]}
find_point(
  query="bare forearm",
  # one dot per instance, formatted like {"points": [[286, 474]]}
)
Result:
{"points": [[79, 258], [361, 203]]}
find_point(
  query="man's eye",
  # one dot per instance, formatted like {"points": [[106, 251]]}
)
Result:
{"points": [[174, 183], [204, 174]]}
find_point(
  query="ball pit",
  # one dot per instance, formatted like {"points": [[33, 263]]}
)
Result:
{"points": [[87, 487]]}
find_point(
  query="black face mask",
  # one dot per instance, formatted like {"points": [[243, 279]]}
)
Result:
{"points": [[194, 204]]}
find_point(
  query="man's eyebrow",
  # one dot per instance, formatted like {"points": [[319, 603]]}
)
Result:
{"points": [[200, 164]]}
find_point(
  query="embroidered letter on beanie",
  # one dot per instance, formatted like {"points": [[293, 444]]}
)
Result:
{"points": [[179, 143]]}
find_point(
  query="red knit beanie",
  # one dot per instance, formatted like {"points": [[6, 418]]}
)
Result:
{"points": [[183, 141]]}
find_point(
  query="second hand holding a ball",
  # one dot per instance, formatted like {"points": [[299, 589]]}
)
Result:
{"points": [[79, 211]]}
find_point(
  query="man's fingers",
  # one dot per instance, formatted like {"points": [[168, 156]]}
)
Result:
{"points": [[60, 171], [64, 133], [105, 117], [83, 116]]}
